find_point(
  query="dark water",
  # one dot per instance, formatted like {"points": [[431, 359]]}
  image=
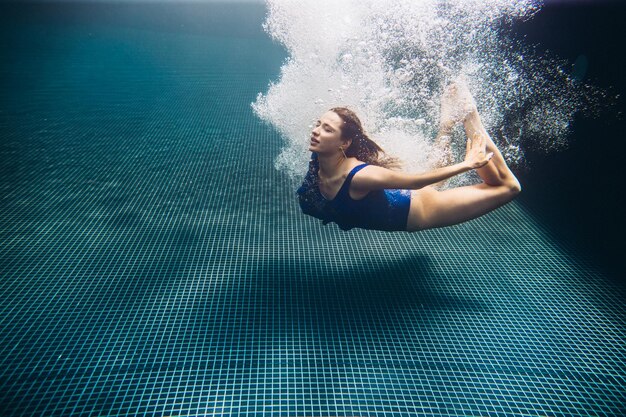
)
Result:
{"points": [[579, 192]]}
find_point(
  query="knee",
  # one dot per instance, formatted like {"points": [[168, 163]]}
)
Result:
{"points": [[509, 187], [517, 187], [507, 190], [513, 188]]}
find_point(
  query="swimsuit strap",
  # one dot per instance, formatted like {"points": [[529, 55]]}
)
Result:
{"points": [[346, 184], [354, 171]]}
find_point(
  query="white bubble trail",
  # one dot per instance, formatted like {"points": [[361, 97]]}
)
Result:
{"points": [[390, 60]]}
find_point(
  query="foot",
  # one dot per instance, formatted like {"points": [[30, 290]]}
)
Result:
{"points": [[457, 103], [466, 103]]}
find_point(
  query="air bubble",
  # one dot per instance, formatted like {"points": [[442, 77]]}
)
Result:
{"points": [[391, 61]]}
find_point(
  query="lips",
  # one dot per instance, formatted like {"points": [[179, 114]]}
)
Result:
{"points": [[314, 141]]}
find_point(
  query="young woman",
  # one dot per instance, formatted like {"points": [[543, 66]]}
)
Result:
{"points": [[350, 182]]}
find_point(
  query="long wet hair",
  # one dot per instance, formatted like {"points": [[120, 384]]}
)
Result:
{"points": [[362, 147]]}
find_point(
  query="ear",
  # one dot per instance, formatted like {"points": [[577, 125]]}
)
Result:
{"points": [[346, 143]]}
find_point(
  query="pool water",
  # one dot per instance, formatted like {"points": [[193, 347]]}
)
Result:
{"points": [[153, 261]]}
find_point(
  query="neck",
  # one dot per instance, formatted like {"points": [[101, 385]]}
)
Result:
{"points": [[330, 164]]}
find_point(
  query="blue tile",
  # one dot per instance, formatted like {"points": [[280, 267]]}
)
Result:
{"points": [[154, 262]]}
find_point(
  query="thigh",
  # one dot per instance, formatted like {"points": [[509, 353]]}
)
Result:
{"points": [[431, 208]]}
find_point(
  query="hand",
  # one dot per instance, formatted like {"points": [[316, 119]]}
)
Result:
{"points": [[476, 155]]}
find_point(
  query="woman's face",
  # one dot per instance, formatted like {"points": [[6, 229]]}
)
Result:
{"points": [[326, 135]]}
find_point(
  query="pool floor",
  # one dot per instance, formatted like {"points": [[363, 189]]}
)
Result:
{"points": [[154, 262]]}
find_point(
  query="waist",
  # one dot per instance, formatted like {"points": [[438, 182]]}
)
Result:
{"points": [[379, 210]]}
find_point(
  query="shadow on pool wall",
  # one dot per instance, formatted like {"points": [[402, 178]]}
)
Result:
{"points": [[578, 192]]}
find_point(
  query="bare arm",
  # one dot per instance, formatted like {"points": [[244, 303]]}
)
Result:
{"points": [[377, 178]]}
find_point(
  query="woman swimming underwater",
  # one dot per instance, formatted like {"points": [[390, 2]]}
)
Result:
{"points": [[350, 182]]}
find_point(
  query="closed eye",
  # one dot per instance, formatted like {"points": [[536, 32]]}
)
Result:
{"points": [[325, 126]]}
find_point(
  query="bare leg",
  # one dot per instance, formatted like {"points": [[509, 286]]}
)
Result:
{"points": [[443, 154], [431, 208], [496, 172], [449, 116]]}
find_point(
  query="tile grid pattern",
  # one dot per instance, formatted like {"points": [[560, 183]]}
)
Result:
{"points": [[154, 262]]}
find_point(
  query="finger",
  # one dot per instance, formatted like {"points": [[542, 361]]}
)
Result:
{"points": [[489, 156]]}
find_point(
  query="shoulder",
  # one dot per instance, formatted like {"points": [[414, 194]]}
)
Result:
{"points": [[373, 177], [369, 175], [367, 171]]}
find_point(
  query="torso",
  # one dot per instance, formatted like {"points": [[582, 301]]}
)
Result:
{"points": [[332, 199]]}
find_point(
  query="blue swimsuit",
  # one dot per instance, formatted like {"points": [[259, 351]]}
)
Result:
{"points": [[378, 210]]}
